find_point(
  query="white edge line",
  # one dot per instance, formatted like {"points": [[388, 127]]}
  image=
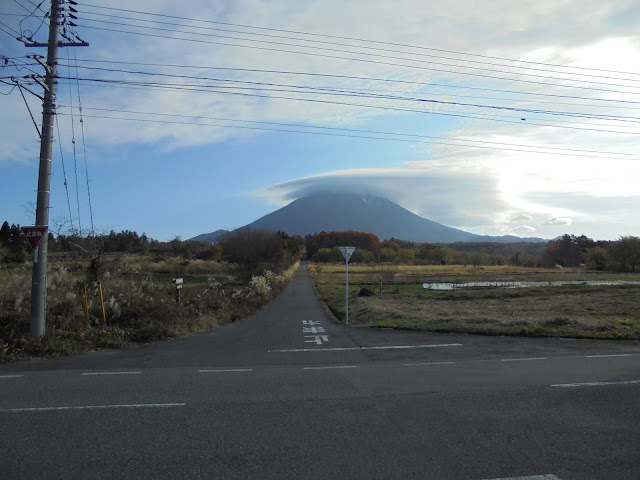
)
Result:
{"points": [[329, 367], [110, 373], [401, 347], [428, 363], [610, 355], [595, 384], [382, 347], [534, 477], [522, 359], [92, 407], [216, 370], [11, 376]]}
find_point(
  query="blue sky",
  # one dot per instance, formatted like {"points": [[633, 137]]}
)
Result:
{"points": [[554, 172]]}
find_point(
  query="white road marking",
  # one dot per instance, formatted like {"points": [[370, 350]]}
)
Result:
{"points": [[219, 370], [11, 376], [522, 359], [317, 339], [342, 349], [611, 355], [310, 322], [534, 477], [111, 373], [313, 330], [92, 407], [596, 384], [333, 367], [428, 363]]}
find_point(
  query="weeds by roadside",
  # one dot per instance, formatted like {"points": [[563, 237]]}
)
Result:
{"points": [[138, 305]]}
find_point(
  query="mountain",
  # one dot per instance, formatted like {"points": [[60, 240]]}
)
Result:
{"points": [[368, 213], [212, 237]]}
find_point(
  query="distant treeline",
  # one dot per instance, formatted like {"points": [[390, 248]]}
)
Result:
{"points": [[567, 251], [254, 250]]}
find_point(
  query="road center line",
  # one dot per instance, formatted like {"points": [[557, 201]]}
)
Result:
{"points": [[428, 363], [333, 367], [11, 376], [93, 407], [382, 347], [111, 373], [595, 384], [219, 370], [610, 355], [522, 359]]}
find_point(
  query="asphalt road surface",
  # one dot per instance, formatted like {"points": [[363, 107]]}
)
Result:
{"points": [[290, 394]]}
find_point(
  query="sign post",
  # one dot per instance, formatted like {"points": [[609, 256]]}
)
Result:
{"points": [[347, 252]]}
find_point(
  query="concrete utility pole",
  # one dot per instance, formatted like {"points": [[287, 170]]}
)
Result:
{"points": [[39, 276]]}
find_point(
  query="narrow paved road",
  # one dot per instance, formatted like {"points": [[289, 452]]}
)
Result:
{"points": [[289, 393]]}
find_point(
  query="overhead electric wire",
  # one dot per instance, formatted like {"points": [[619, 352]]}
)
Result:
{"points": [[378, 62], [367, 137], [377, 49], [84, 150], [340, 37], [64, 173], [324, 127], [75, 158], [351, 77], [15, 35], [460, 115], [385, 96]]}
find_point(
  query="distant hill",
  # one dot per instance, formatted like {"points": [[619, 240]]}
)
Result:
{"points": [[212, 237], [363, 213]]}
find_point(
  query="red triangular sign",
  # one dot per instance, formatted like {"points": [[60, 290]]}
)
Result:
{"points": [[34, 235]]}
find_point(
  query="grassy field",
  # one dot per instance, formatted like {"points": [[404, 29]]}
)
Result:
{"points": [[579, 311], [140, 302]]}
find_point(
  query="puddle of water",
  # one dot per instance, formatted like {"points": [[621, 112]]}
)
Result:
{"points": [[487, 285]]}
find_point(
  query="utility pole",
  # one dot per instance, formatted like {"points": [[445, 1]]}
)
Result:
{"points": [[40, 261]]}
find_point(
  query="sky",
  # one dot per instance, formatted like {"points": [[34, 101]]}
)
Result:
{"points": [[178, 119]]}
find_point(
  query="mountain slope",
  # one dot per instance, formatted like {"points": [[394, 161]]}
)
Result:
{"points": [[339, 212], [368, 213]]}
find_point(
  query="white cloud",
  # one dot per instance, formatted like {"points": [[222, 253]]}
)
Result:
{"points": [[558, 221], [496, 189], [523, 229]]}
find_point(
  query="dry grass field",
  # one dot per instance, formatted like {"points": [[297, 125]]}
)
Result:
{"points": [[579, 311]]}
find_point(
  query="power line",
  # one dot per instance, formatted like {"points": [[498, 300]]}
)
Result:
{"points": [[366, 137], [323, 127], [84, 150], [377, 49], [64, 174], [333, 102], [352, 77], [378, 62], [340, 37], [324, 90]]}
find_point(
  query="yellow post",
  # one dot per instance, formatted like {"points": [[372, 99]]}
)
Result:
{"points": [[104, 316], [85, 301]]}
